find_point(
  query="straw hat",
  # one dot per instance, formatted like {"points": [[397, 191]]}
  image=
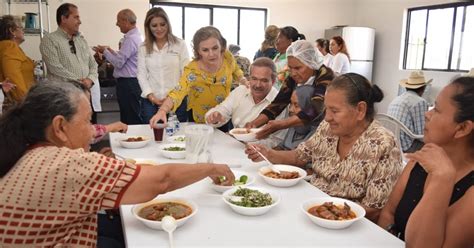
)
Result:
{"points": [[415, 80], [469, 74]]}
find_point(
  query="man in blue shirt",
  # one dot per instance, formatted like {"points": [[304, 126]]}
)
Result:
{"points": [[125, 68], [409, 108]]}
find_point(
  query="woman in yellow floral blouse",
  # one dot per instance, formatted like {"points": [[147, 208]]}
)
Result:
{"points": [[206, 80]]}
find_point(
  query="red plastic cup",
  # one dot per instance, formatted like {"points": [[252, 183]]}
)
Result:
{"points": [[158, 131]]}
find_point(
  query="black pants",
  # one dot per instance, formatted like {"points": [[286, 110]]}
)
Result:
{"points": [[109, 230], [129, 100]]}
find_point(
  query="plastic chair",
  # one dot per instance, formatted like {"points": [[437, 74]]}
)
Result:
{"points": [[395, 126]]}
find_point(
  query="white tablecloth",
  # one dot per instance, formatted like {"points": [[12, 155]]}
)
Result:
{"points": [[216, 225]]}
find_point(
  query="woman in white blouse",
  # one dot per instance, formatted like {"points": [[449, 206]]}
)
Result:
{"points": [[161, 60], [341, 62], [323, 47]]}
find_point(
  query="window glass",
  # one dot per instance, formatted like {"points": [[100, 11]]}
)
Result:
{"points": [[438, 39], [226, 21], [194, 19], [175, 14], [467, 48], [252, 31], [416, 39]]}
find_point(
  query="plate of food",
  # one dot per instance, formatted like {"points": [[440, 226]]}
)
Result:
{"points": [[134, 142], [177, 139], [173, 150], [241, 179], [245, 134], [152, 212], [333, 212], [250, 201], [287, 176]]}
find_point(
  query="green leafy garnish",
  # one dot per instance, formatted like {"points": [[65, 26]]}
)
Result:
{"points": [[174, 149], [252, 198]]}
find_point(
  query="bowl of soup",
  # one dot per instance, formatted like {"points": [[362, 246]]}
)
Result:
{"points": [[151, 213], [173, 150], [244, 134], [333, 212], [133, 142], [287, 176], [250, 201], [241, 179]]}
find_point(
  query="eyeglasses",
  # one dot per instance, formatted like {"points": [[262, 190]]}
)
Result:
{"points": [[72, 46]]}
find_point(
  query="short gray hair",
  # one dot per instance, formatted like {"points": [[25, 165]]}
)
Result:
{"points": [[129, 16]]}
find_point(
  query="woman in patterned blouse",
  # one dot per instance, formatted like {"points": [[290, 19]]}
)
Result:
{"points": [[352, 155], [51, 186], [206, 80]]}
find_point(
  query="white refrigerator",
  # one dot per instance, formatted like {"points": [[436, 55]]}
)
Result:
{"points": [[360, 45]]}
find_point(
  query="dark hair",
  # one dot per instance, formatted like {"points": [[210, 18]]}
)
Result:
{"points": [[464, 98], [64, 10], [358, 89], [25, 123], [292, 34], [265, 62], [7, 26], [205, 33], [323, 43], [340, 42], [149, 37]]}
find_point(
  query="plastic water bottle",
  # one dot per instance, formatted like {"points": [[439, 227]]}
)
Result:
{"points": [[170, 129]]}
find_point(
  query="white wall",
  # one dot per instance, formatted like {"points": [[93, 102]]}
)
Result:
{"points": [[310, 17]]}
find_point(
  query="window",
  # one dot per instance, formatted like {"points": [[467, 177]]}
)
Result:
{"points": [[440, 38], [239, 25]]}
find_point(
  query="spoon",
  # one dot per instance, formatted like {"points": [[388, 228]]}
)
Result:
{"points": [[266, 159], [169, 224]]}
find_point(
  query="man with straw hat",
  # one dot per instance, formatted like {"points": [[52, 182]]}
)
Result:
{"points": [[409, 108]]}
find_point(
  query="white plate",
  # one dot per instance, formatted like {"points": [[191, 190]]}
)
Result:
{"points": [[177, 139], [333, 224], [245, 137], [173, 154], [238, 174], [133, 144], [157, 224], [282, 182], [248, 210]]}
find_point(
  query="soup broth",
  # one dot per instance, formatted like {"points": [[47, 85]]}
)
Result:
{"points": [[159, 210]]}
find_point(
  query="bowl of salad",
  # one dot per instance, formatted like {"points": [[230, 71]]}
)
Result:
{"points": [[250, 201], [241, 179], [173, 150]]}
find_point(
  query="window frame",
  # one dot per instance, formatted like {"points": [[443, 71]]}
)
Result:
{"points": [[211, 7], [428, 8]]}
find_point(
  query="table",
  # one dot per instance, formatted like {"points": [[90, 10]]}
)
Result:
{"points": [[216, 225]]}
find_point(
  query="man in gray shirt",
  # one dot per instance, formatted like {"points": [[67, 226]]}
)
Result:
{"points": [[67, 54]]}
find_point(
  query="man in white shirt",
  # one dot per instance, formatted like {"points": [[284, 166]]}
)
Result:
{"points": [[245, 103]]}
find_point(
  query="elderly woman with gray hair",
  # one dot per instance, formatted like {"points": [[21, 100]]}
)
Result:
{"points": [[306, 68]]}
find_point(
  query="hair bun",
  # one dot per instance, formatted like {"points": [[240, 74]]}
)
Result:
{"points": [[376, 94]]}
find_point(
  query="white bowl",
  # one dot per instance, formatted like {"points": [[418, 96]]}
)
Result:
{"points": [[153, 224], [249, 211], [221, 188], [133, 144], [245, 137], [282, 182], [177, 139], [333, 224], [173, 154]]}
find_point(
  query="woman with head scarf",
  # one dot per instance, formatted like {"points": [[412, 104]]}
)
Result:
{"points": [[306, 68], [300, 100]]}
